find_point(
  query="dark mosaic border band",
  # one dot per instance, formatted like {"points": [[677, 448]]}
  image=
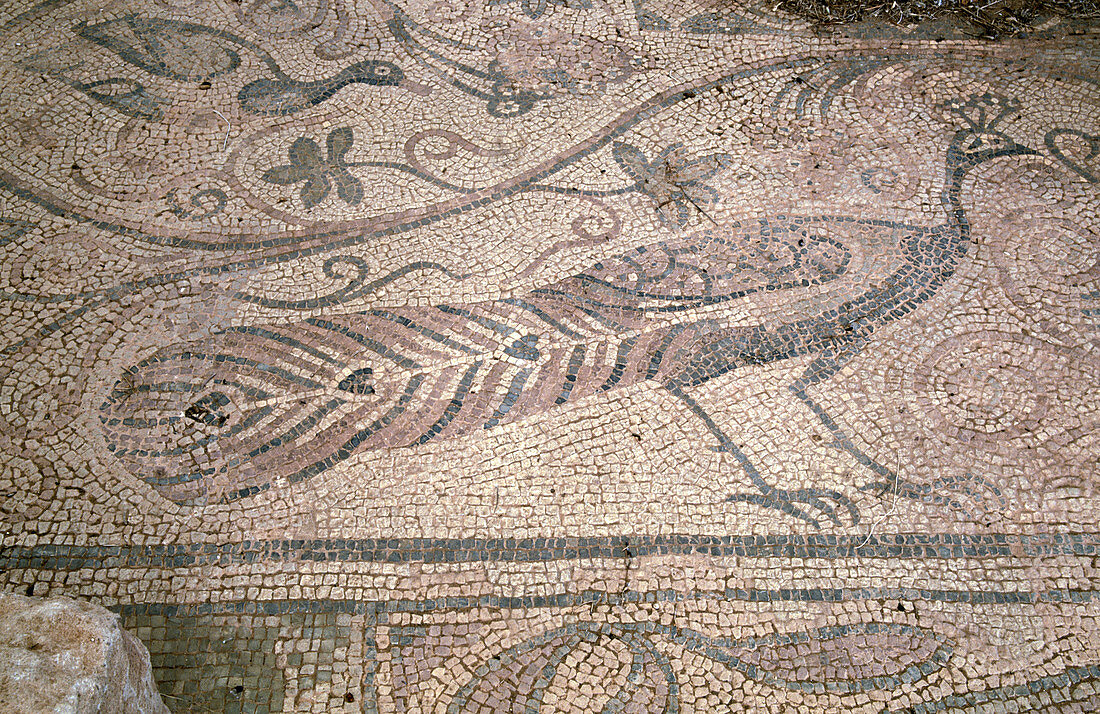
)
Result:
{"points": [[591, 597], [465, 550]]}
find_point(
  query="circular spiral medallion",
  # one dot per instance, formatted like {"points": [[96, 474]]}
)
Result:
{"points": [[1005, 390], [1051, 278]]}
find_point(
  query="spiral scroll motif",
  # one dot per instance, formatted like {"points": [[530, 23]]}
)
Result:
{"points": [[1004, 391]]}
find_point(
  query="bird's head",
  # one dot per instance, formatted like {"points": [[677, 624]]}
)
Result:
{"points": [[981, 140], [374, 72]]}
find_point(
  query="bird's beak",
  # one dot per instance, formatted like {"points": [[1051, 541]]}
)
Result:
{"points": [[1013, 148]]}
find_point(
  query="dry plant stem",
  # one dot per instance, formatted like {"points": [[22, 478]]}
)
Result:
{"points": [[697, 206], [893, 506], [995, 18], [229, 128]]}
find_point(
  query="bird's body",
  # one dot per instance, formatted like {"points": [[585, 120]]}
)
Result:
{"points": [[190, 53], [232, 415]]}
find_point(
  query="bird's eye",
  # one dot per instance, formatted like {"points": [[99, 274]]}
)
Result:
{"points": [[985, 141], [209, 410], [524, 348], [358, 382]]}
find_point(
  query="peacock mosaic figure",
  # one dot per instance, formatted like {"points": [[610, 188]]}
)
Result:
{"points": [[233, 415]]}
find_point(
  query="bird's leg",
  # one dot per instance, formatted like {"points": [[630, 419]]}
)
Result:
{"points": [[827, 364], [825, 367], [725, 444], [797, 503]]}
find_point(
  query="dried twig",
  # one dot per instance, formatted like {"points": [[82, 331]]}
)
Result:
{"points": [[893, 505], [697, 206], [228, 129], [995, 17]]}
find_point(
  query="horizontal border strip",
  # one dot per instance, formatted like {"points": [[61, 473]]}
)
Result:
{"points": [[823, 595], [465, 550]]}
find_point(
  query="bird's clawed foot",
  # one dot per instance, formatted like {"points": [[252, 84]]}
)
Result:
{"points": [[969, 494], [808, 504]]}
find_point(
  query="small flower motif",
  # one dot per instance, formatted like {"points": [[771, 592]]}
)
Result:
{"points": [[983, 112], [536, 8], [306, 164], [541, 61], [675, 185]]}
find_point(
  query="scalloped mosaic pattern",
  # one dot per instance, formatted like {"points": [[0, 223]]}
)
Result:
{"points": [[556, 355]]}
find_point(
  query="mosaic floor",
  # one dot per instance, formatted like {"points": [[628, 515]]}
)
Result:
{"points": [[556, 355]]}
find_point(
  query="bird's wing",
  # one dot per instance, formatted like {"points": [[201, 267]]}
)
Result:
{"points": [[712, 266], [229, 415], [219, 417], [232, 414]]}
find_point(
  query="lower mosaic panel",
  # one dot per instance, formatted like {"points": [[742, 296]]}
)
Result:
{"points": [[875, 650], [253, 661], [880, 624]]}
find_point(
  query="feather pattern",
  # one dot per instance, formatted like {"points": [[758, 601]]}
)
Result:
{"points": [[228, 416]]}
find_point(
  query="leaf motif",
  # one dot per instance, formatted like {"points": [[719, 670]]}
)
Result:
{"points": [[285, 174], [58, 60], [1070, 687], [632, 161], [1083, 148], [674, 213], [347, 186], [126, 96], [168, 48], [338, 143], [700, 169], [846, 658], [649, 684], [712, 267], [699, 194], [194, 52], [305, 153], [315, 190]]}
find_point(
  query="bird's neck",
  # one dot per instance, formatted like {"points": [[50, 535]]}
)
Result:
{"points": [[935, 253], [957, 167]]}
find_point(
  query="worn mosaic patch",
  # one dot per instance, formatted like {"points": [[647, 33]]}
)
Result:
{"points": [[527, 356]]}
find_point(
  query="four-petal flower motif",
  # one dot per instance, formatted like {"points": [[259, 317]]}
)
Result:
{"points": [[537, 61], [307, 164], [535, 8], [675, 185]]}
